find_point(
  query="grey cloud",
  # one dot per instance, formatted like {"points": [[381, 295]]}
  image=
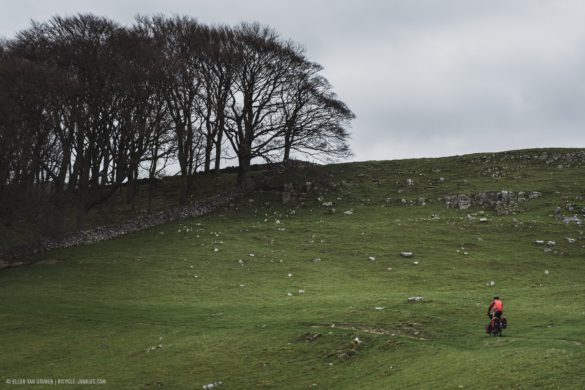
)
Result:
{"points": [[424, 77]]}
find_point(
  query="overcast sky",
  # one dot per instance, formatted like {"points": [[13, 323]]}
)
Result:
{"points": [[425, 78]]}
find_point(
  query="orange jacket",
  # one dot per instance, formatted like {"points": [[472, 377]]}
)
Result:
{"points": [[496, 305]]}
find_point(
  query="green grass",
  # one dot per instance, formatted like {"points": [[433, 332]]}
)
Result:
{"points": [[101, 311]]}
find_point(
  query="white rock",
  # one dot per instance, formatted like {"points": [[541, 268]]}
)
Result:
{"points": [[348, 212], [551, 243], [571, 240], [213, 385], [539, 242], [289, 294], [406, 254], [372, 258], [301, 291], [379, 308], [252, 255], [290, 275], [417, 298], [546, 272]]}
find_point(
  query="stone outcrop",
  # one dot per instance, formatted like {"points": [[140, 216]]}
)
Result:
{"points": [[493, 199], [295, 194], [558, 214]]}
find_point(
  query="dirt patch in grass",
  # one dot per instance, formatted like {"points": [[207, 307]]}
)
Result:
{"points": [[48, 262], [409, 329]]}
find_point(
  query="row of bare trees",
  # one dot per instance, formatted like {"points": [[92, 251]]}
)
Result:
{"points": [[87, 105]]}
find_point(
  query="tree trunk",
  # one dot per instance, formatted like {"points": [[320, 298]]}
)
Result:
{"points": [[218, 151], [208, 149], [245, 161]]}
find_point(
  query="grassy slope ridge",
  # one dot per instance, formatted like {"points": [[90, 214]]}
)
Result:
{"points": [[174, 308]]}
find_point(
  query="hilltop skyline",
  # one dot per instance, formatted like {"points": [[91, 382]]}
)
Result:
{"points": [[433, 79]]}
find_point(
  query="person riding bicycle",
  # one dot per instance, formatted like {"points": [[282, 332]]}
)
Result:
{"points": [[496, 314], [496, 308]]}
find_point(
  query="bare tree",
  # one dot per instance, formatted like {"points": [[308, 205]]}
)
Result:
{"points": [[316, 123], [32, 90], [180, 40], [217, 72], [254, 120]]}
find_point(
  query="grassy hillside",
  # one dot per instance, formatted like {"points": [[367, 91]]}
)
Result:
{"points": [[266, 295]]}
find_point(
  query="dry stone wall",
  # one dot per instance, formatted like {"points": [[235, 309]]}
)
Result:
{"points": [[102, 233]]}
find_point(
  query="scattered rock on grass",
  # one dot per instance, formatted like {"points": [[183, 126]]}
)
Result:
{"points": [[212, 385], [309, 337], [154, 348]]}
